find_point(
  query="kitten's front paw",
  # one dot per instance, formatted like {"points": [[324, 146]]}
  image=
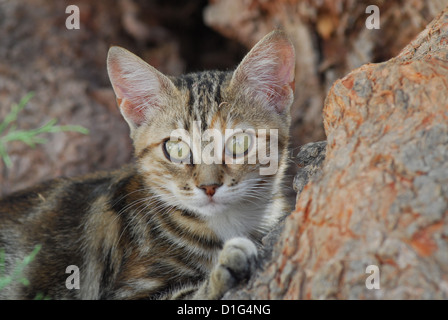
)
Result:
{"points": [[237, 261]]}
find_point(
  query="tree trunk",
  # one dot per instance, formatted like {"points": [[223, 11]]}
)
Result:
{"points": [[381, 197]]}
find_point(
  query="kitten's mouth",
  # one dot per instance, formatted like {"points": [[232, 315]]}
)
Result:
{"points": [[211, 205], [211, 200]]}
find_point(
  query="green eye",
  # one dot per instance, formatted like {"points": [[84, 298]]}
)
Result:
{"points": [[176, 151], [239, 144]]}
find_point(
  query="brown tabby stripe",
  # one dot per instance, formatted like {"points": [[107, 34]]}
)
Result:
{"points": [[148, 148], [180, 231], [204, 90]]}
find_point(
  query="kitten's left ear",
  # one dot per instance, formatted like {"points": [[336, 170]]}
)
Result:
{"points": [[140, 89], [266, 74]]}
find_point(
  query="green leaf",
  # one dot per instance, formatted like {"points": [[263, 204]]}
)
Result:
{"points": [[24, 281], [5, 156], [41, 296], [17, 273], [16, 108], [72, 128], [29, 137]]}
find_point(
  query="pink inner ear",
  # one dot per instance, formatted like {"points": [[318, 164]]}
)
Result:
{"points": [[286, 69], [278, 90], [132, 105], [136, 115], [267, 72], [137, 86], [285, 74]]}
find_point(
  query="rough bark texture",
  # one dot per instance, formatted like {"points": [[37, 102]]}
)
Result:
{"points": [[309, 159], [382, 196]]}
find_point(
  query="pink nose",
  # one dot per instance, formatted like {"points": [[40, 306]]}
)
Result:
{"points": [[210, 189]]}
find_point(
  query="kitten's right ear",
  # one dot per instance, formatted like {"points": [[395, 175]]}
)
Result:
{"points": [[140, 89], [266, 73]]}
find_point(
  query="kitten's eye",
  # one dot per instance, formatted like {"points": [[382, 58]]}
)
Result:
{"points": [[239, 144], [177, 151]]}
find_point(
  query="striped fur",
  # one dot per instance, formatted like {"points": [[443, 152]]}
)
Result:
{"points": [[148, 230]]}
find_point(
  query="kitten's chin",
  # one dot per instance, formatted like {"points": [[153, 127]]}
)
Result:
{"points": [[219, 207], [208, 207], [211, 209]]}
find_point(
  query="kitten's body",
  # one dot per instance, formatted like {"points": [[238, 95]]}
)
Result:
{"points": [[159, 228]]}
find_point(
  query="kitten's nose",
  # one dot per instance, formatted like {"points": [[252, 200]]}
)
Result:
{"points": [[210, 189]]}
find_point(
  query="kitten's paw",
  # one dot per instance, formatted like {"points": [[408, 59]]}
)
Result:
{"points": [[237, 261]]}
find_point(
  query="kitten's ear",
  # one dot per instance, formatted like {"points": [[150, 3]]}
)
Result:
{"points": [[140, 89], [267, 72]]}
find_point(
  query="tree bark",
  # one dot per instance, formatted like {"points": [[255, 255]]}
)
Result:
{"points": [[381, 197]]}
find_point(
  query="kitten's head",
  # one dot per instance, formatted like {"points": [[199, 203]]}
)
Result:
{"points": [[172, 119]]}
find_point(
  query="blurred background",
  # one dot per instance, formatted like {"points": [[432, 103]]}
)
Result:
{"points": [[66, 69]]}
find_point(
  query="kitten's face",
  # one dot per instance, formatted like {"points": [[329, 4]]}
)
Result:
{"points": [[172, 120]]}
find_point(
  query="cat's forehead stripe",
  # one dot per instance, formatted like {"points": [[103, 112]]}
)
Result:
{"points": [[204, 92]]}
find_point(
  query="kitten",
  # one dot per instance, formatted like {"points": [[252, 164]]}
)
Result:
{"points": [[174, 225]]}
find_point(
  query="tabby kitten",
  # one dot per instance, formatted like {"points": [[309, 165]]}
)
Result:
{"points": [[170, 226]]}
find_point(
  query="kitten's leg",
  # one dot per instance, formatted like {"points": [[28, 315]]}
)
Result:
{"points": [[236, 262]]}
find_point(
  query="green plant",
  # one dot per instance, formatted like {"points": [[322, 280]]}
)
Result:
{"points": [[9, 131], [17, 273]]}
